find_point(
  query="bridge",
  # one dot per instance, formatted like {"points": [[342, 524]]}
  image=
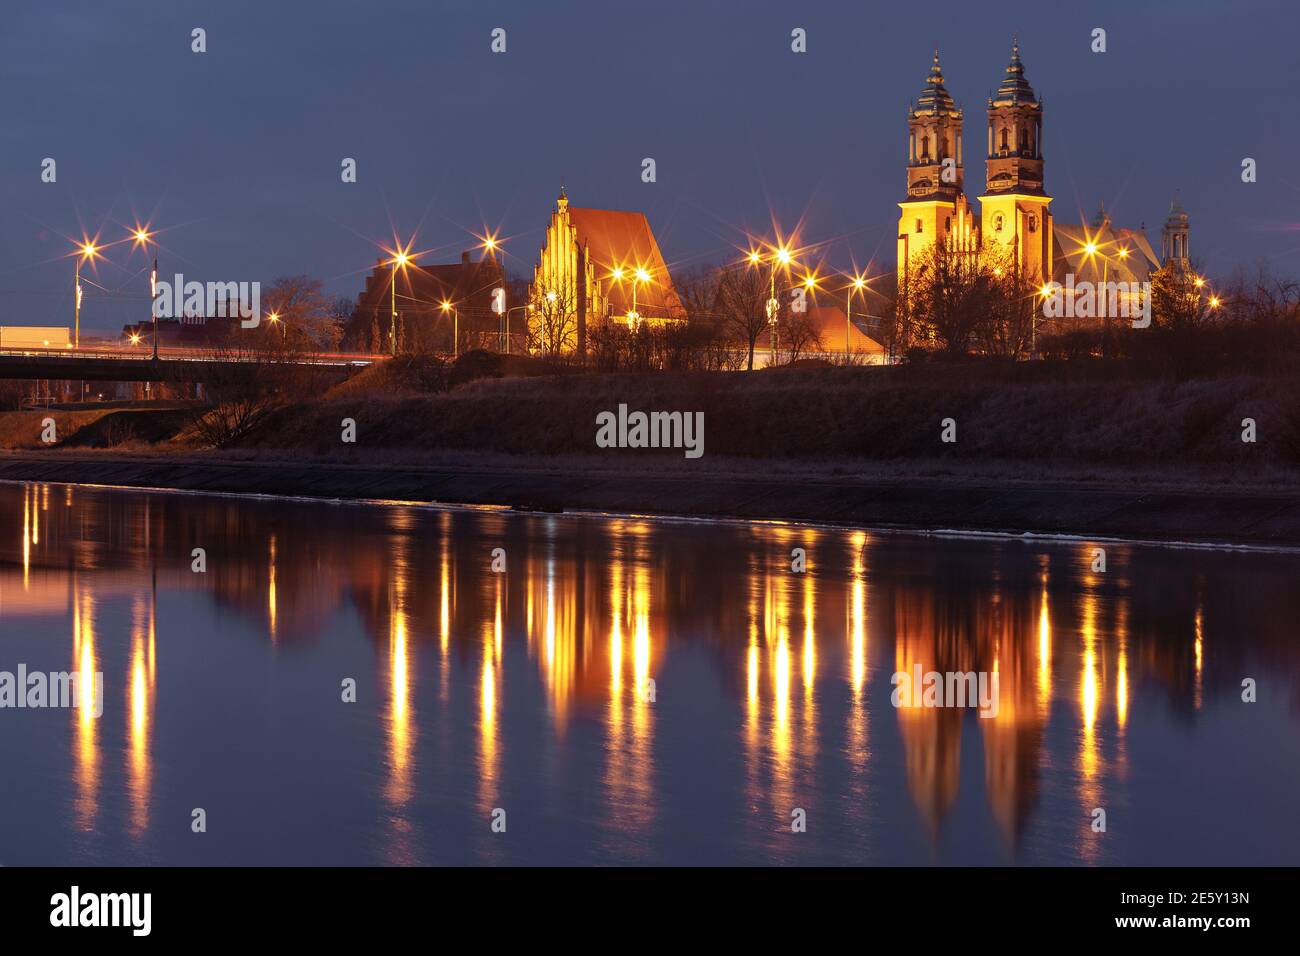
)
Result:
{"points": [[109, 363]]}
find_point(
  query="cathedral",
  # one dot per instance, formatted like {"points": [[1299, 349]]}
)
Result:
{"points": [[1015, 217]]}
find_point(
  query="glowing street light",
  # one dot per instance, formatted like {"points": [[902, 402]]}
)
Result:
{"points": [[141, 238], [273, 318], [782, 256], [1214, 302], [399, 260], [858, 284], [639, 275], [455, 335], [88, 250]]}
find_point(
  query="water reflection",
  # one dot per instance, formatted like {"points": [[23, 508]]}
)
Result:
{"points": [[401, 723], [621, 674], [85, 664], [140, 711]]}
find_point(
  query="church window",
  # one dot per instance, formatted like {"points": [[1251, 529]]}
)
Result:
{"points": [[997, 223], [1033, 223], [1004, 139], [918, 225], [947, 224]]}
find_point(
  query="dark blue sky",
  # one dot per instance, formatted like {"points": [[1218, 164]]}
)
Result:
{"points": [[236, 153]]}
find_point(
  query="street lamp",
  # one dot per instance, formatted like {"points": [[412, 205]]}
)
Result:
{"points": [[1091, 250], [518, 308], [455, 335], [142, 237], [400, 258], [273, 318], [781, 255], [638, 276], [88, 251], [858, 285]]}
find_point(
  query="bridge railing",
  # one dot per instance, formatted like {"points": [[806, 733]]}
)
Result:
{"points": [[195, 355]]}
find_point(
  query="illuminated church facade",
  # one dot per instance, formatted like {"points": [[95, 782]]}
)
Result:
{"points": [[596, 267], [1015, 217]]}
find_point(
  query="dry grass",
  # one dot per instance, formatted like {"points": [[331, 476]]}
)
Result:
{"points": [[851, 415], [91, 428]]}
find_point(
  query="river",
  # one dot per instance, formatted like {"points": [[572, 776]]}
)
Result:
{"points": [[386, 683]]}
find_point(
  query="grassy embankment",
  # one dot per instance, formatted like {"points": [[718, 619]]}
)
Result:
{"points": [[1075, 422]]}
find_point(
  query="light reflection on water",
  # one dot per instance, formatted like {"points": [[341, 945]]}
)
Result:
{"points": [[628, 691]]}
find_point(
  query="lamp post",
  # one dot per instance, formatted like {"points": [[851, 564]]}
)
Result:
{"points": [[399, 259], [857, 285], [518, 308], [455, 335], [87, 251], [782, 257], [638, 276], [141, 237], [153, 305], [1090, 250]]}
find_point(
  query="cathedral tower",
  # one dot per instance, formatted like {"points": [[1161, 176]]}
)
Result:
{"points": [[1174, 237], [935, 209], [1014, 208]]}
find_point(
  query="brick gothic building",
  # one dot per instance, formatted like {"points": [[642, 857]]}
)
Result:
{"points": [[421, 321], [590, 266]]}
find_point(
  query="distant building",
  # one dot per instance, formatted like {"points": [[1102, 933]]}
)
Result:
{"points": [[188, 332], [594, 265], [422, 322]]}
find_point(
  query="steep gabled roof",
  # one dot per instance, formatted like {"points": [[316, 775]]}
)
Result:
{"points": [[828, 320], [618, 239]]}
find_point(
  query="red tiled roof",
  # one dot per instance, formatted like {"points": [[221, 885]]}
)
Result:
{"points": [[623, 239], [828, 320]]}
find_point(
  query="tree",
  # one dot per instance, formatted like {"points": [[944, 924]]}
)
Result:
{"points": [[553, 321], [743, 292], [797, 333], [953, 296], [1014, 303], [309, 319]]}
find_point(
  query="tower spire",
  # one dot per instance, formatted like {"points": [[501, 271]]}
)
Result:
{"points": [[934, 96], [1015, 88]]}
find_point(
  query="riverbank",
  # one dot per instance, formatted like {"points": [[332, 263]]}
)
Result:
{"points": [[1206, 508]]}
